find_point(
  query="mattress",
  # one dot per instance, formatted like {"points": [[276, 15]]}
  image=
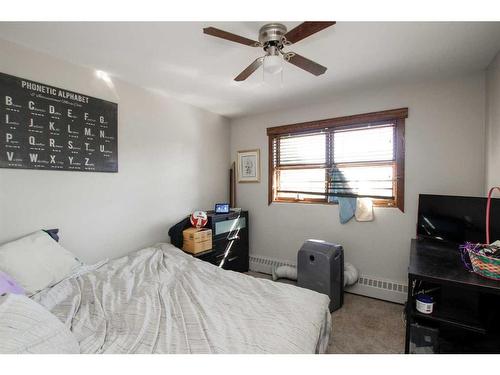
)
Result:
{"points": [[161, 300]]}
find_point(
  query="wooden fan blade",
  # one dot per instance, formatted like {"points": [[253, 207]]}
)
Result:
{"points": [[306, 29], [306, 64], [229, 36], [250, 69]]}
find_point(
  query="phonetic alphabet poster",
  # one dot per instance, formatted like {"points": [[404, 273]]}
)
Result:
{"points": [[48, 128]]}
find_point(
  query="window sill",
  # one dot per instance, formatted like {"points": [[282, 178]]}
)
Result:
{"points": [[299, 201], [376, 203]]}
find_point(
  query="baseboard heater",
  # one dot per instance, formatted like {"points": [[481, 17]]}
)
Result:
{"points": [[369, 286]]}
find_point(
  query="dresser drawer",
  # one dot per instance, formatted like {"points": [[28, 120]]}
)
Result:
{"points": [[226, 228], [208, 256], [238, 244], [235, 255], [231, 261], [234, 263], [221, 247]]}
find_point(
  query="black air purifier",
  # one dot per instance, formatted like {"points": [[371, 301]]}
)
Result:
{"points": [[320, 267]]}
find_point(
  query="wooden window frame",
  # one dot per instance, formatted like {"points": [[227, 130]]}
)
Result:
{"points": [[395, 116]]}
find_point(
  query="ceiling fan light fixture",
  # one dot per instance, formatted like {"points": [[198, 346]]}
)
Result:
{"points": [[273, 38], [273, 64]]}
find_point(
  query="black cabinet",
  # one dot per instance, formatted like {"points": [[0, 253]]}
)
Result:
{"points": [[229, 241], [467, 307]]}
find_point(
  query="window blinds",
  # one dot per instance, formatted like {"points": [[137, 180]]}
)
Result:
{"points": [[302, 149], [322, 165]]}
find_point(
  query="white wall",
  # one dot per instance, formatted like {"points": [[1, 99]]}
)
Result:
{"points": [[445, 136], [173, 158], [493, 123]]}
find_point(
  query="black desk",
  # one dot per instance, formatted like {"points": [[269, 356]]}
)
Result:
{"points": [[475, 298]]}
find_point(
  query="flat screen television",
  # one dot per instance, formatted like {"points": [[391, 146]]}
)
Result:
{"points": [[455, 219]]}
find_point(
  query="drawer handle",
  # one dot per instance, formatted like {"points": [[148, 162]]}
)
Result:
{"points": [[231, 259], [233, 238]]}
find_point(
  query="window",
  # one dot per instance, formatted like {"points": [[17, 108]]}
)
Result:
{"points": [[353, 156]]}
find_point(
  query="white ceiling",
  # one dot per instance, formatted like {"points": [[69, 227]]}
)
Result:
{"points": [[178, 60]]}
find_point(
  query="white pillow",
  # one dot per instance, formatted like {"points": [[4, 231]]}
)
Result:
{"points": [[37, 261], [27, 327]]}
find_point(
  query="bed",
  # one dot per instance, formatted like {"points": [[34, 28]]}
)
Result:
{"points": [[161, 300]]}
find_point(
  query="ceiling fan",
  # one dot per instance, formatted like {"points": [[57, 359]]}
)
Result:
{"points": [[273, 38]]}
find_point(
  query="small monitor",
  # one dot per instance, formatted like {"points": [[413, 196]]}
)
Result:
{"points": [[222, 208]]}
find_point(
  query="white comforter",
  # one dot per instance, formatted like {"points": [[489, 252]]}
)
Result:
{"points": [[160, 300]]}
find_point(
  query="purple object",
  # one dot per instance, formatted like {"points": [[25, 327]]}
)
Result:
{"points": [[464, 252], [9, 285]]}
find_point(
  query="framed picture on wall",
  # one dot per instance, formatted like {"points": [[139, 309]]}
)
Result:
{"points": [[249, 166]]}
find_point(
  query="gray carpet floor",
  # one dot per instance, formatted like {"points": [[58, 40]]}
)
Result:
{"points": [[364, 325]]}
